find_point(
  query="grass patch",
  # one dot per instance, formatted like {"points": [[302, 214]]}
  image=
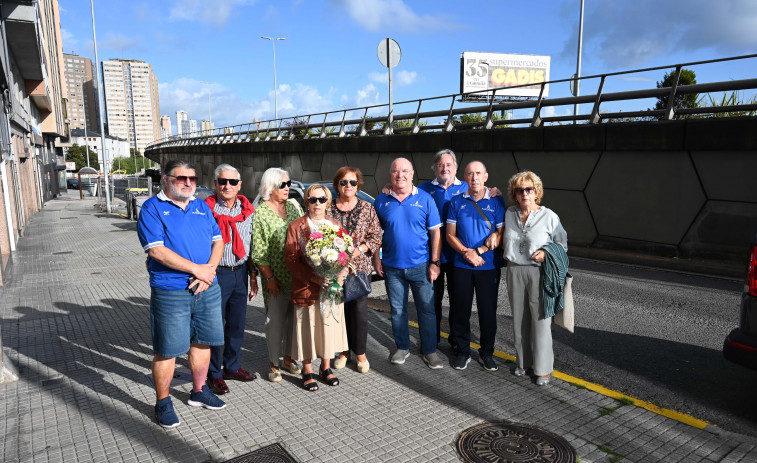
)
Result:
{"points": [[579, 386], [614, 456], [626, 401], [607, 411]]}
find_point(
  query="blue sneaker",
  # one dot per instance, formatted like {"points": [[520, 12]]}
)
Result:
{"points": [[165, 414], [205, 398]]}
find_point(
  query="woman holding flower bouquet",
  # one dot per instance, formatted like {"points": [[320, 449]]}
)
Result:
{"points": [[317, 253], [359, 218]]}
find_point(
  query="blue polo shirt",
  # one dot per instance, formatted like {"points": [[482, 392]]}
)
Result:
{"points": [[189, 233], [442, 196], [472, 230], [406, 225]]}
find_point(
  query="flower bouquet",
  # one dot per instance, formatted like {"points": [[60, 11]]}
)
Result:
{"points": [[329, 250]]}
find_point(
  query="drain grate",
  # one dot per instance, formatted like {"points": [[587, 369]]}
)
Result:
{"points": [[508, 442], [273, 453]]}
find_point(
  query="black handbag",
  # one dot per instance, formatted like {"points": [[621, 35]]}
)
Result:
{"points": [[357, 285]]}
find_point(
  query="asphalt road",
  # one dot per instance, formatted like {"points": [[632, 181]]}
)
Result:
{"points": [[653, 334]]}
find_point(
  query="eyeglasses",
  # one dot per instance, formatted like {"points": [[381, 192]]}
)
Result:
{"points": [[449, 165], [345, 182], [286, 184], [527, 190], [403, 172], [183, 178], [224, 181], [320, 199]]}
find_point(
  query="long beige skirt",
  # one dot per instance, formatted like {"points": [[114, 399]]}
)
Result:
{"points": [[315, 336]]}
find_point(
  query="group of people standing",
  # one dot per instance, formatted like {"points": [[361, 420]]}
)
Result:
{"points": [[204, 257]]}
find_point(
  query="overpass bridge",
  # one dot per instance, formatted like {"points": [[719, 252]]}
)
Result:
{"points": [[673, 182]]}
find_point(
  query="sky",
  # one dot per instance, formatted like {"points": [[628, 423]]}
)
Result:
{"points": [[329, 62]]}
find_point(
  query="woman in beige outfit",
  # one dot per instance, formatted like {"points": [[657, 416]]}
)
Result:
{"points": [[313, 335]]}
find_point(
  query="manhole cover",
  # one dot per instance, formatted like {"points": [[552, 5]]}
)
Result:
{"points": [[273, 453], [513, 442]]}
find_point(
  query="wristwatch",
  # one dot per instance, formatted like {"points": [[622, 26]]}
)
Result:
{"points": [[438, 263], [269, 278]]}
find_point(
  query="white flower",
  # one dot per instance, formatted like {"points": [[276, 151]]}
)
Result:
{"points": [[339, 243]]}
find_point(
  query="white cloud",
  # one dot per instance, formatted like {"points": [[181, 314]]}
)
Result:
{"points": [[399, 79], [375, 15], [69, 40], [630, 34], [215, 12], [229, 109]]}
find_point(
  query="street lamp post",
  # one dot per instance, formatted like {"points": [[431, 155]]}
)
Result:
{"points": [[210, 115], [578, 59], [275, 89], [102, 122]]}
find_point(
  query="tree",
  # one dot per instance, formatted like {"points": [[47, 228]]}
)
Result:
{"points": [[735, 98], [127, 164], [687, 77], [475, 117], [78, 155]]}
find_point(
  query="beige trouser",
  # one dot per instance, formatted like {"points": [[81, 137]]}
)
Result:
{"points": [[532, 334], [278, 322]]}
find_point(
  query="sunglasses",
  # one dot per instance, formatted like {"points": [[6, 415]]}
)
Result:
{"points": [[286, 184], [183, 178], [345, 182], [224, 181], [320, 199], [527, 190]]}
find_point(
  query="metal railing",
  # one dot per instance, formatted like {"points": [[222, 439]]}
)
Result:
{"points": [[444, 115]]}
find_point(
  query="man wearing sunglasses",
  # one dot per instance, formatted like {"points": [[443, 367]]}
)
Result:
{"points": [[184, 246], [234, 214]]}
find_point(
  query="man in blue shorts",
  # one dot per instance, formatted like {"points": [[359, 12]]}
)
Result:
{"points": [[474, 229], [411, 247], [184, 246]]}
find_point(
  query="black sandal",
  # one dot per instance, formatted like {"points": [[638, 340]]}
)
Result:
{"points": [[309, 386], [334, 381]]}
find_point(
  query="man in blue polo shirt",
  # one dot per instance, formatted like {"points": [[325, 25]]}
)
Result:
{"points": [[443, 188], [411, 226], [474, 229], [184, 246]]}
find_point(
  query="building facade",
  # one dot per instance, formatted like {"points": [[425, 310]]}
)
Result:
{"points": [[207, 127], [131, 101], [165, 126], [181, 122], [82, 93], [116, 147]]}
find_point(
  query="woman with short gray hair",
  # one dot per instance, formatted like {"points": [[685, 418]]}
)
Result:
{"points": [[272, 218]]}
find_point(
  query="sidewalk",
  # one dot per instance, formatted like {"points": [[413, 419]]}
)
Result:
{"points": [[74, 315]]}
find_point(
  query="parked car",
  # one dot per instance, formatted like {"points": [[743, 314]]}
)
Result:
{"points": [[72, 183], [202, 192], [740, 345]]}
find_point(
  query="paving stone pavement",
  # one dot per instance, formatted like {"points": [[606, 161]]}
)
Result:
{"points": [[75, 322]]}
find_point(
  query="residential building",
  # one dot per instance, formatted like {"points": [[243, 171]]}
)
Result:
{"points": [[207, 127], [165, 126], [33, 92], [131, 101], [193, 127], [82, 92], [116, 147], [181, 118]]}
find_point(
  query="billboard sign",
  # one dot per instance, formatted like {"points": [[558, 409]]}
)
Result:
{"points": [[483, 71], [70, 165]]}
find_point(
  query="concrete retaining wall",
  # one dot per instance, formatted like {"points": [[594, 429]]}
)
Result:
{"points": [[677, 189]]}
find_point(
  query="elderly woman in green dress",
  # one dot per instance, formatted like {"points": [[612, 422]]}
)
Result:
{"points": [[272, 218]]}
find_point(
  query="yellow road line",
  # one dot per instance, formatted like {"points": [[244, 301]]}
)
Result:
{"points": [[678, 416]]}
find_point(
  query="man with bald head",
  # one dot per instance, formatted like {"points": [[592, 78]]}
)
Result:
{"points": [[475, 224], [411, 251]]}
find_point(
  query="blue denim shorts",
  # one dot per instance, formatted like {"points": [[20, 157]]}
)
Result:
{"points": [[178, 318]]}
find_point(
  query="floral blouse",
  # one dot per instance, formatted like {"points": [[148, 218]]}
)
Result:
{"points": [[269, 232], [363, 225]]}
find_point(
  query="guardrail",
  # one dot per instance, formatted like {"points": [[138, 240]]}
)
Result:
{"points": [[445, 116]]}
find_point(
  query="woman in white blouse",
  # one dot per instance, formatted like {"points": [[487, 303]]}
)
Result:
{"points": [[528, 227]]}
